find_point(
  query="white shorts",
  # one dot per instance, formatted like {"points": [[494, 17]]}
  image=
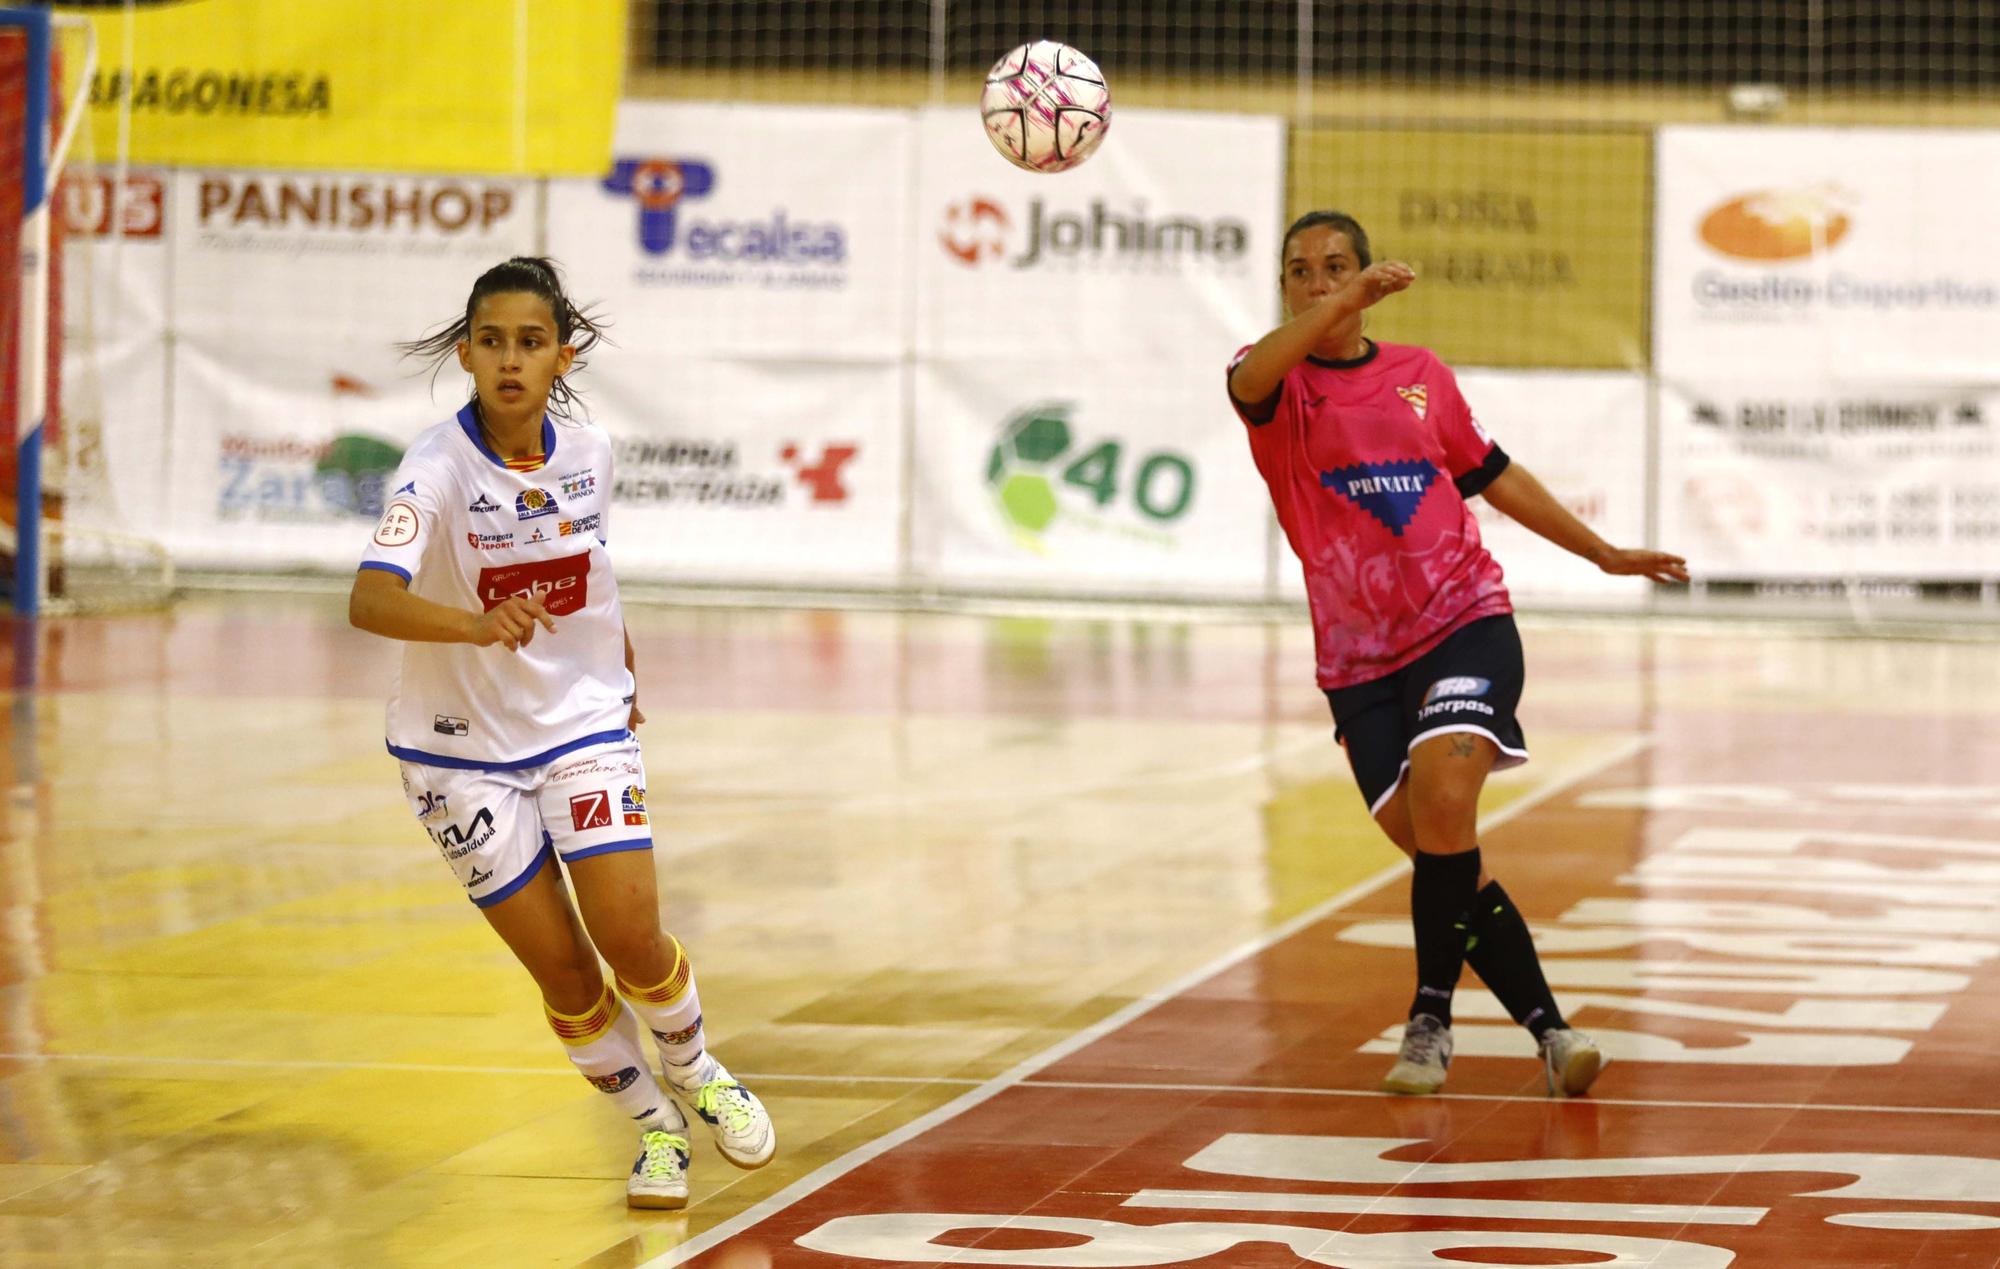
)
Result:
{"points": [[497, 829]]}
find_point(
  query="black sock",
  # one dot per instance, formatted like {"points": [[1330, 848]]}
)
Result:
{"points": [[1501, 952], [1441, 897]]}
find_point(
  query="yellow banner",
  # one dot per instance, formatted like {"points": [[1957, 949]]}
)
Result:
{"points": [[444, 86], [1530, 247]]}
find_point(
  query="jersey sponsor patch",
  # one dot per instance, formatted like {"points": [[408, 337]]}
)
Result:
{"points": [[615, 1083], [582, 524], [482, 503], [633, 803], [489, 541], [1391, 492], [579, 484], [530, 503], [1457, 685], [562, 585], [590, 810], [399, 524]]}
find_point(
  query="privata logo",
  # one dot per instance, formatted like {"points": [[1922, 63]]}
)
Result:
{"points": [[1391, 492]]}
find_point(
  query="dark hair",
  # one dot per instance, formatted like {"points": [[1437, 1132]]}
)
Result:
{"points": [[1337, 220], [533, 275]]}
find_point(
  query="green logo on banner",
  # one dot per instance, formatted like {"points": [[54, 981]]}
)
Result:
{"points": [[1043, 475]]}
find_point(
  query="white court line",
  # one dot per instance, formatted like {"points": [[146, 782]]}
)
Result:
{"points": [[922, 1081], [828, 1173], [1458, 1208]]}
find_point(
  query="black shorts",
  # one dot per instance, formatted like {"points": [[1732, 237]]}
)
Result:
{"points": [[1470, 682]]}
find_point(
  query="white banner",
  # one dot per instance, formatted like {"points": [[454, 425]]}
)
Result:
{"points": [[1162, 247], [1087, 477], [291, 404], [754, 473], [1861, 255], [751, 231], [1583, 434], [113, 445], [1072, 432], [1788, 478]]}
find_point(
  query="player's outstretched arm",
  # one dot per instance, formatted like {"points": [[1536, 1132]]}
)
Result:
{"points": [[381, 603], [1271, 358], [1526, 500]]}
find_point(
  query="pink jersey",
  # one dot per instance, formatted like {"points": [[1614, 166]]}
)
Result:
{"points": [[1369, 464]]}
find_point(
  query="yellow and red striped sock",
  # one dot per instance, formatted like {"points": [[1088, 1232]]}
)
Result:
{"points": [[609, 1054], [671, 1010]]}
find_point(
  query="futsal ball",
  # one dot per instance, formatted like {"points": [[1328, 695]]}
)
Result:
{"points": [[1046, 107]]}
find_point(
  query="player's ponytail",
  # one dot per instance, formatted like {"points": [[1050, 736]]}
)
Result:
{"points": [[533, 275]]}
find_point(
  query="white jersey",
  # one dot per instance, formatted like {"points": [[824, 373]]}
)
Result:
{"points": [[467, 531]]}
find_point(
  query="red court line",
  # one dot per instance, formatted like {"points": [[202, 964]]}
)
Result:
{"points": [[1214, 1176]]}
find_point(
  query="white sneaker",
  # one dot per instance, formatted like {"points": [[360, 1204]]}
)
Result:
{"points": [[739, 1122], [1570, 1061], [659, 1175], [1426, 1052]]}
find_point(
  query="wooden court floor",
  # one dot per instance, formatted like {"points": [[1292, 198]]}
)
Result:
{"points": [[1047, 941]]}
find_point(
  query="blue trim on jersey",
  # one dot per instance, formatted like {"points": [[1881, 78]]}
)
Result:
{"points": [[398, 570], [470, 426], [633, 843], [528, 875], [535, 760]]}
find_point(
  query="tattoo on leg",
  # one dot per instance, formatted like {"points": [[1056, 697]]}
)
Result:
{"points": [[1462, 747]]}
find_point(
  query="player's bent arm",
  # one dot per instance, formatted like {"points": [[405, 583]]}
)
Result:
{"points": [[1525, 500], [381, 603], [1271, 358]]}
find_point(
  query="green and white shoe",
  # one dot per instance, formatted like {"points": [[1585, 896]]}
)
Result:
{"points": [[660, 1174], [740, 1124]]}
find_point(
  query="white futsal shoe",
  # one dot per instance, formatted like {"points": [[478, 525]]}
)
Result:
{"points": [[660, 1174], [1426, 1052], [1570, 1061], [740, 1124]]}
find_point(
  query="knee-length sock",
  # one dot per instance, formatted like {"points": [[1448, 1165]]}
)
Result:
{"points": [[1502, 952], [1441, 895]]}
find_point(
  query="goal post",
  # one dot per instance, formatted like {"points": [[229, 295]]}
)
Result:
{"points": [[41, 119]]}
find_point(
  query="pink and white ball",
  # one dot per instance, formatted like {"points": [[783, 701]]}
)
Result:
{"points": [[1046, 107]]}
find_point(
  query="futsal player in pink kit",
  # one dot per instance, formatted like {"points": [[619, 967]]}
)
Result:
{"points": [[513, 712], [1371, 455]]}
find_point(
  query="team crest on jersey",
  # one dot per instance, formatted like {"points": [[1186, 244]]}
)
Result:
{"points": [[1417, 397], [530, 503], [482, 503], [1391, 492], [634, 802]]}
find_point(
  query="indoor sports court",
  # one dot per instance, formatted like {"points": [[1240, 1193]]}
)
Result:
{"points": [[991, 789]]}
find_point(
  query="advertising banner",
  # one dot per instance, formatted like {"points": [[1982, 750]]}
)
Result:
{"points": [[291, 402], [1071, 430], [750, 231], [1583, 435], [1857, 255], [762, 473], [1530, 247], [1085, 477], [1163, 247], [381, 85], [1792, 478], [111, 448]]}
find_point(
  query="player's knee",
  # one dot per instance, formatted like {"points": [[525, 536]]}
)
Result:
{"points": [[639, 955], [1444, 820]]}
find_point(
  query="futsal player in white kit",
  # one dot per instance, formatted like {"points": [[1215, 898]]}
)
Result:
{"points": [[513, 712]]}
